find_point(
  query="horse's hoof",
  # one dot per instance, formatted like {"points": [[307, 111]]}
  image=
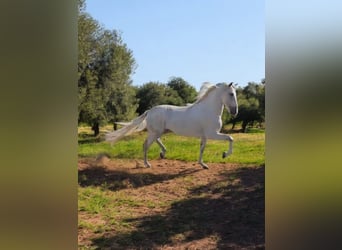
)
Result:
{"points": [[162, 155], [225, 154], [204, 166], [148, 165]]}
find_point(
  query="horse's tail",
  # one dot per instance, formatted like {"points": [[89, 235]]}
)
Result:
{"points": [[136, 125]]}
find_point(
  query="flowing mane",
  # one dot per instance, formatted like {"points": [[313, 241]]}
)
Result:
{"points": [[206, 88]]}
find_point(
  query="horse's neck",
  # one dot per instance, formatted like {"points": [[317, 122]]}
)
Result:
{"points": [[212, 104]]}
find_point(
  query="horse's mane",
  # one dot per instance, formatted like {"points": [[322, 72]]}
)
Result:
{"points": [[206, 88]]}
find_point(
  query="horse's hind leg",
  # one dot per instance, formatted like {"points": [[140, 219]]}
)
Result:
{"points": [[161, 145], [149, 140]]}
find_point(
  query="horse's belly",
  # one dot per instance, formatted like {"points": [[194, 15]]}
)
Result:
{"points": [[186, 132], [182, 125]]}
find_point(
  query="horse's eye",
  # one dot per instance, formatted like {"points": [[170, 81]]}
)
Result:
{"points": [[231, 94]]}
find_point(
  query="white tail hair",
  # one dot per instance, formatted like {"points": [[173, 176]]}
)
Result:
{"points": [[136, 125]]}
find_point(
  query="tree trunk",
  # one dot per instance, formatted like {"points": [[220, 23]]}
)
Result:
{"points": [[244, 126], [96, 128]]}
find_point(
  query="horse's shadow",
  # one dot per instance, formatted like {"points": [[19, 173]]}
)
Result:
{"points": [[115, 180], [233, 212]]}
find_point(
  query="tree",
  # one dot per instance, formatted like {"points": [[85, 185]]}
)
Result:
{"points": [[117, 66], [185, 91], [248, 113], [104, 68], [90, 104], [87, 46]]}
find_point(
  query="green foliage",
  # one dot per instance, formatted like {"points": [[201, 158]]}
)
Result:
{"points": [[185, 91], [226, 117], [81, 5]]}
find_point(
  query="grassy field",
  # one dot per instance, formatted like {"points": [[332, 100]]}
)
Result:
{"points": [[248, 148], [175, 204]]}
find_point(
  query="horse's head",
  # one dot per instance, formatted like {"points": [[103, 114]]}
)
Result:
{"points": [[228, 97]]}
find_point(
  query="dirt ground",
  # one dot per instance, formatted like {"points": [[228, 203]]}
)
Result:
{"points": [[187, 207]]}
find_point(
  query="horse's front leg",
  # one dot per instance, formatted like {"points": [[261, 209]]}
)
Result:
{"points": [[200, 160], [223, 137], [230, 149], [149, 140]]}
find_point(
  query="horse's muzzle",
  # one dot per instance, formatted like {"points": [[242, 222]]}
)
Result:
{"points": [[233, 111]]}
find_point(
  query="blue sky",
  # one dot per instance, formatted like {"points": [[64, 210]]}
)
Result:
{"points": [[198, 40]]}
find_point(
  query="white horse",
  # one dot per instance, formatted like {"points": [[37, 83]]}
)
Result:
{"points": [[201, 119]]}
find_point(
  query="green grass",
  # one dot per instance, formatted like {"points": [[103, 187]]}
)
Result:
{"points": [[92, 200], [248, 148]]}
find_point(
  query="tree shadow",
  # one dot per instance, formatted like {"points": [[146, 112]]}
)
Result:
{"points": [[115, 180], [232, 209]]}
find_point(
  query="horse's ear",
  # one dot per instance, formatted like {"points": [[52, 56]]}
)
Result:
{"points": [[230, 84]]}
